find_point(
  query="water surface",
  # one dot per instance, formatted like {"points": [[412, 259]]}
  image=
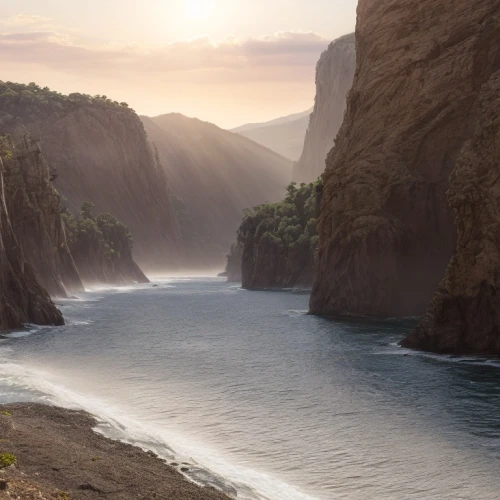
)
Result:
{"points": [[263, 400]]}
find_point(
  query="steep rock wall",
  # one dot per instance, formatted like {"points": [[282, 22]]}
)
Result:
{"points": [[22, 299], [101, 154], [33, 205], [334, 77], [464, 315], [387, 231]]}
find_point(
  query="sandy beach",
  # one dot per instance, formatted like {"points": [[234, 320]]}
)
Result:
{"points": [[58, 455]]}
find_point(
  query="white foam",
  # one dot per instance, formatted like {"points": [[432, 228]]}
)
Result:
{"points": [[396, 350], [206, 464]]}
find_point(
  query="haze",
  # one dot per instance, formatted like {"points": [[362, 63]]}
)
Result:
{"points": [[213, 59]]}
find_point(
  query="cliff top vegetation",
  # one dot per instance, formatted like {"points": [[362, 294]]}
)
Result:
{"points": [[18, 100]]}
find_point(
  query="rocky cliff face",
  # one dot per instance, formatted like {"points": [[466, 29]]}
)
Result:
{"points": [[334, 76], [425, 71], [464, 315], [233, 267], [215, 175], [278, 242], [101, 154], [33, 205], [102, 248], [22, 299]]}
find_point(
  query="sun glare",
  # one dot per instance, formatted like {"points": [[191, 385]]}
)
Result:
{"points": [[198, 9]]}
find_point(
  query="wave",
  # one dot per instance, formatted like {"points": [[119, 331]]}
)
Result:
{"points": [[396, 350], [204, 465]]}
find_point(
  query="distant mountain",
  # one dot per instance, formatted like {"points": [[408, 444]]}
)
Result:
{"points": [[276, 121], [214, 175], [286, 139]]}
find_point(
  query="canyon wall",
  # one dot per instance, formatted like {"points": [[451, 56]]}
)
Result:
{"points": [[33, 205], [464, 315], [334, 76], [426, 73], [100, 152], [22, 299]]}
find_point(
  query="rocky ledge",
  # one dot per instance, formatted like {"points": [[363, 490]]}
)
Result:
{"points": [[48, 452]]}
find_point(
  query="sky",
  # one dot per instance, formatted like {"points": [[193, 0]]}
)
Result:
{"points": [[229, 62]]}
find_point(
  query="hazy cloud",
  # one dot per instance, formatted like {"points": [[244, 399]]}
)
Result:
{"points": [[26, 20], [60, 51]]}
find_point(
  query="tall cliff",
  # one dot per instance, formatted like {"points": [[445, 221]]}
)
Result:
{"points": [[277, 242], [334, 77], [22, 299], [215, 175], [425, 71], [100, 152], [464, 315], [33, 205]]}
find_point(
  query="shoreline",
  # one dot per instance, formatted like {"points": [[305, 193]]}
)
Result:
{"points": [[59, 455]]}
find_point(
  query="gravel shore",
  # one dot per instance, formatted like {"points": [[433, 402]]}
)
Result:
{"points": [[58, 455]]}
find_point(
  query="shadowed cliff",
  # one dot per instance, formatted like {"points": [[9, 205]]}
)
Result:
{"points": [[423, 107], [215, 175], [33, 205], [102, 248], [22, 299], [100, 152]]}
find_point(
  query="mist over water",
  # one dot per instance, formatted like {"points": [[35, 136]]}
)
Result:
{"points": [[261, 399]]}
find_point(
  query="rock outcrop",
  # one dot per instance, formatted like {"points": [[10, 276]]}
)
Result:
{"points": [[34, 208], [464, 316], [278, 242], [334, 77], [420, 107], [101, 154], [22, 299], [102, 248], [215, 175]]}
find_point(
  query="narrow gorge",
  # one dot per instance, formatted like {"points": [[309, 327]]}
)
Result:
{"points": [[277, 243]]}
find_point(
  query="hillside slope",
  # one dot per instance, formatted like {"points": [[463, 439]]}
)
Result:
{"points": [[277, 121], [285, 137], [215, 175]]}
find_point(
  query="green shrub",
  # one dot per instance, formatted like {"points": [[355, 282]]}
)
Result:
{"points": [[6, 460]]}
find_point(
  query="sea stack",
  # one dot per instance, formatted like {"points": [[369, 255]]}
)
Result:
{"points": [[423, 110]]}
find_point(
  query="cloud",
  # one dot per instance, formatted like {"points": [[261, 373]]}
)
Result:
{"points": [[26, 20], [58, 50]]}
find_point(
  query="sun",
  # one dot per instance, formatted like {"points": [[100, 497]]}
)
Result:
{"points": [[198, 9]]}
